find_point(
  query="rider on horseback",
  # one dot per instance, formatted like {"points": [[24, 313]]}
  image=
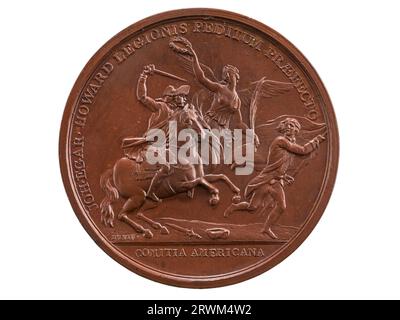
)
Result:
{"points": [[179, 98], [173, 102]]}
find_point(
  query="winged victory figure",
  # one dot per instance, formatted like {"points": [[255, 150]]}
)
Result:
{"points": [[226, 100]]}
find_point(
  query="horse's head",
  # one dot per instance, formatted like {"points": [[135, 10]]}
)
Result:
{"points": [[190, 118]]}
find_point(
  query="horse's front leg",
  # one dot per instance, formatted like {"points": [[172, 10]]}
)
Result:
{"points": [[231, 185], [214, 200]]}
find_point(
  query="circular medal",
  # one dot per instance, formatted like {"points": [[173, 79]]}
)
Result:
{"points": [[198, 148]]}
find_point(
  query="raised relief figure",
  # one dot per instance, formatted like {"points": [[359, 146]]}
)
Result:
{"points": [[225, 102], [273, 178], [162, 110]]}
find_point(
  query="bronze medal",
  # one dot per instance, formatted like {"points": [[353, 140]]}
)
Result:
{"points": [[198, 148]]}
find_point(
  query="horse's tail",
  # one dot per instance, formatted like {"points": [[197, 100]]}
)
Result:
{"points": [[107, 212]]}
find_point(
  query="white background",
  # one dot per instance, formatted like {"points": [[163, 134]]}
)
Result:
{"points": [[354, 250]]}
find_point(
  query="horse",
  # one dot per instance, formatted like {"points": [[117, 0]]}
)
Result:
{"points": [[130, 179]]}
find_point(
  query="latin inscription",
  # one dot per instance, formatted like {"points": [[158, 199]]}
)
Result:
{"points": [[79, 169], [199, 252], [291, 73], [77, 144], [226, 31]]}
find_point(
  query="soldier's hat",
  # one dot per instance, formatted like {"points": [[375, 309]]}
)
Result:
{"points": [[172, 91], [182, 90], [168, 91]]}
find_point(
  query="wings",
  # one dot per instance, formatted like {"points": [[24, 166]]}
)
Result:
{"points": [[202, 100], [263, 88], [186, 63]]}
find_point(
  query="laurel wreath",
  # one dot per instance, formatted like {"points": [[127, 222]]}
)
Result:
{"points": [[177, 42]]}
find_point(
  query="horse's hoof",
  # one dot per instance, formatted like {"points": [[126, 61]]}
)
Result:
{"points": [[236, 199], [164, 230], [148, 234]]}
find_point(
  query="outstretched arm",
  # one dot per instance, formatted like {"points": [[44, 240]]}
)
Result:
{"points": [[141, 90], [302, 150], [199, 73]]}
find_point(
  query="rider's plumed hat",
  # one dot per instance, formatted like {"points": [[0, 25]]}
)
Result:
{"points": [[172, 91]]}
